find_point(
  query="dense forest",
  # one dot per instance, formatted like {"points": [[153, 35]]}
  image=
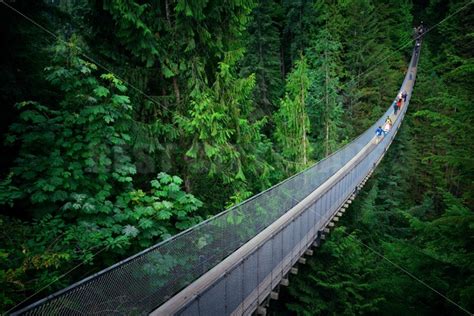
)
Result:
{"points": [[126, 122]]}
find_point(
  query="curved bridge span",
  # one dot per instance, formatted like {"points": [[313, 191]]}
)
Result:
{"points": [[233, 262]]}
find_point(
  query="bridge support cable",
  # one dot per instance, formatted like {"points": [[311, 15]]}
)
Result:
{"points": [[232, 263]]}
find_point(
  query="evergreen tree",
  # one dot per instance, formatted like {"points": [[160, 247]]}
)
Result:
{"points": [[298, 28], [325, 103], [339, 282], [293, 128], [225, 139], [373, 68], [262, 55]]}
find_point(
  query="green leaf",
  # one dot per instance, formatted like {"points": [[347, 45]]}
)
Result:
{"points": [[166, 71], [120, 99], [101, 91], [164, 215]]}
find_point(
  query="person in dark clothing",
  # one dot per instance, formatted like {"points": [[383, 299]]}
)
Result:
{"points": [[420, 29], [395, 108], [404, 96]]}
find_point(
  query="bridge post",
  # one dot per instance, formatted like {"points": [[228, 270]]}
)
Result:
{"points": [[274, 295], [261, 311]]}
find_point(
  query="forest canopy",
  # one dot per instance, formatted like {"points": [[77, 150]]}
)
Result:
{"points": [[126, 122]]}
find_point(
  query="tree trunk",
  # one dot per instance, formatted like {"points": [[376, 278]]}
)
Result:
{"points": [[187, 180], [282, 63], [176, 91], [303, 121], [327, 100], [260, 57], [167, 10]]}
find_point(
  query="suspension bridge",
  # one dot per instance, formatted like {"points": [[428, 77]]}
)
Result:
{"points": [[235, 262]]}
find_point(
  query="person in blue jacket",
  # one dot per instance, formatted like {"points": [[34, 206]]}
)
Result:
{"points": [[379, 133]]}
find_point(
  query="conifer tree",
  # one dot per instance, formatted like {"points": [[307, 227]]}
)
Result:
{"points": [[226, 141], [292, 121], [324, 102], [299, 25], [262, 55]]}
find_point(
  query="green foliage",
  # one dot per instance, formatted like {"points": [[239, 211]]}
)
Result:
{"points": [[83, 179], [292, 119], [297, 30], [340, 281], [447, 241], [225, 141], [373, 65], [74, 175], [263, 55], [325, 103], [417, 212]]}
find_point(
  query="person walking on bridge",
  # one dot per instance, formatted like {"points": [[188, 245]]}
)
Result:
{"points": [[387, 126], [404, 96], [399, 99], [379, 133], [395, 107]]}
